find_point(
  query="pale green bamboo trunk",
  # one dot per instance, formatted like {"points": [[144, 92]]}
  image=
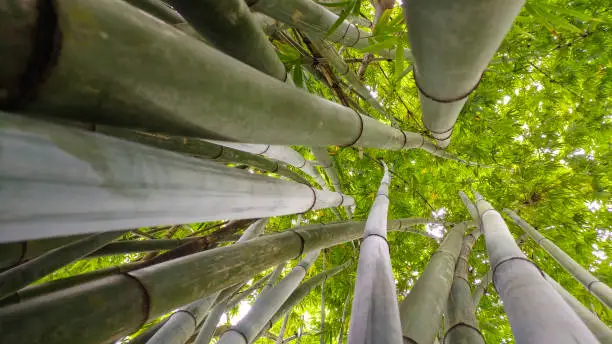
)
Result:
{"points": [[375, 314], [452, 44], [536, 312], [326, 162], [421, 311], [65, 181], [590, 282]]}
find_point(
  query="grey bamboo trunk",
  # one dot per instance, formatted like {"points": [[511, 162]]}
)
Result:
{"points": [[602, 332], [590, 282], [267, 304], [537, 313], [200, 101], [326, 162], [452, 43], [63, 181], [375, 314], [421, 311]]}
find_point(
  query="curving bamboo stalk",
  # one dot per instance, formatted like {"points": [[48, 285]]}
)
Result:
{"points": [[421, 311], [536, 312], [141, 295], [81, 182], [375, 314], [452, 44], [267, 304], [596, 287]]}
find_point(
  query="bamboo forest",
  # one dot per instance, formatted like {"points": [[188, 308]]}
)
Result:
{"points": [[305, 171]]}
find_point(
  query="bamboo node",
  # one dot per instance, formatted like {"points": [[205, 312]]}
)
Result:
{"points": [[494, 270], [591, 283], [460, 324], [449, 100], [409, 340], [146, 308], [360, 130], [302, 242], [314, 200], [378, 235], [195, 322]]}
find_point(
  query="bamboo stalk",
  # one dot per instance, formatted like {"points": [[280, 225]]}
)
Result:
{"points": [[536, 312], [281, 333], [134, 246], [64, 181], [421, 311], [168, 286], [452, 45], [199, 102], [462, 324], [182, 324], [322, 334], [158, 9], [596, 287], [201, 149], [322, 156], [316, 21], [342, 320], [268, 303], [602, 332], [375, 314], [20, 276], [14, 253]]}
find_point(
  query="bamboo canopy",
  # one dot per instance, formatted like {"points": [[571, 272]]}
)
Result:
{"points": [[537, 313], [452, 45], [375, 314], [421, 311], [114, 183], [590, 282]]}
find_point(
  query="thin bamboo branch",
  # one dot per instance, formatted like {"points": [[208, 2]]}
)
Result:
{"points": [[596, 287], [326, 162], [281, 333], [537, 314], [15, 253], [115, 184], [375, 314], [343, 319]]}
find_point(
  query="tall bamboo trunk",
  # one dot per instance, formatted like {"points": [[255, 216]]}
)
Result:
{"points": [[267, 304], [20, 276], [182, 323], [201, 101], [201, 149], [375, 314], [462, 324], [590, 282], [602, 332], [452, 43], [64, 181], [316, 21], [421, 311], [326, 162], [536, 312]]}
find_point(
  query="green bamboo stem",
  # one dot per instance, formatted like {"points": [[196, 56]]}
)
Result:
{"points": [[134, 246], [182, 324], [14, 253], [190, 247], [316, 21], [322, 334], [460, 316], [198, 102], [201, 149], [20, 276], [274, 276], [343, 319], [268, 303], [452, 46], [66, 181], [596, 287], [537, 314], [421, 311], [469, 205], [375, 315], [602, 332], [281, 333], [326, 162], [482, 287], [168, 286]]}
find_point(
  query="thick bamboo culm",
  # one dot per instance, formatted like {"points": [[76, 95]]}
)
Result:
{"points": [[421, 311], [375, 315], [452, 45], [200, 102], [77, 176], [167, 287], [537, 313], [596, 287]]}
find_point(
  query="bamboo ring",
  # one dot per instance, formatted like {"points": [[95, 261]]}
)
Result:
{"points": [[509, 259], [360, 130], [314, 199], [276, 167], [246, 340], [195, 322], [302, 242], [591, 283], [358, 36], [265, 150], [450, 100], [341, 199], [382, 194], [304, 164], [378, 235], [459, 324], [147, 298], [410, 340], [220, 153]]}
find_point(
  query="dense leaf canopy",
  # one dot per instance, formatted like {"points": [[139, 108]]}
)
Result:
{"points": [[539, 125]]}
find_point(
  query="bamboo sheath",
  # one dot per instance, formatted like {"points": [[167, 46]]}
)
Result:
{"points": [[62, 181], [144, 294], [452, 44], [375, 314], [596, 287], [536, 312]]}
